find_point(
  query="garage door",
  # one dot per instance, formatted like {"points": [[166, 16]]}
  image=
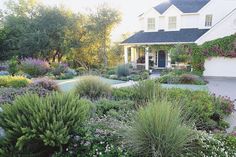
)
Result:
{"points": [[220, 67]]}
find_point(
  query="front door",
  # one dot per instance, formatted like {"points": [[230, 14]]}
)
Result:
{"points": [[161, 59]]}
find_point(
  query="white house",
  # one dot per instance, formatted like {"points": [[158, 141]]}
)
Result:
{"points": [[175, 22]]}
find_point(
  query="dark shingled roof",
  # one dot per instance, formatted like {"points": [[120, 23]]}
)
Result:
{"points": [[186, 6], [183, 35]]}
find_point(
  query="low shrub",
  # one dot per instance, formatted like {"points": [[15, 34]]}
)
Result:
{"points": [[160, 129], [134, 77], [181, 79], [68, 74], [46, 83], [199, 104], [126, 93], [13, 81], [111, 72], [35, 67], [223, 105], [144, 75], [104, 106], [81, 70], [8, 95], [43, 123], [169, 79], [191, 79], [59, 68], [123, 70], [93, 88], [64, 76]]}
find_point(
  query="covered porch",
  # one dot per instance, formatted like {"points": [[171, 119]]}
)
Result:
{"points": [[147, 57]]}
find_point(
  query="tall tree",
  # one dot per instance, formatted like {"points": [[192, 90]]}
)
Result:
{"points": [[103, 22]]}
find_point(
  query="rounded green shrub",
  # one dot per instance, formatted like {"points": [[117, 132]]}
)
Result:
{"points": [[14, 81], [33, 123], [160, 129], [93, 87], [123, 70]]}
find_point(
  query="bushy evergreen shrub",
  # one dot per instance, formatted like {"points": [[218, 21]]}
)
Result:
{"points": [[33, 123]]}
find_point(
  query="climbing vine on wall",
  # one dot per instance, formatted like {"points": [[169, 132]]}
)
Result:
{"points": [[223, 47]]}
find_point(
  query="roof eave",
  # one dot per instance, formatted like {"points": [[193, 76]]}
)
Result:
{"points": [[156, 43]]}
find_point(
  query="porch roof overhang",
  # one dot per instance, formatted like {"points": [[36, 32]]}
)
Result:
{"points": [[182, 36]]}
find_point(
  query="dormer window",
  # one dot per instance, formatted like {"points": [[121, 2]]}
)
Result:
{"points": [[151, 24], [208, 21], [172, 22]]}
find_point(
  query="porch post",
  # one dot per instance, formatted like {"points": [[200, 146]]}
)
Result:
{"points": [[168, 60], [147, 58], [126, 54], [132, 54]]}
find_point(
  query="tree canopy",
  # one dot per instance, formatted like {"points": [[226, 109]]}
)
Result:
{"points": [[54, 33]]}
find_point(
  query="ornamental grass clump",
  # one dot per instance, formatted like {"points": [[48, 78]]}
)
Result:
{"points": [[93, 88], [35, 67], [160, 130], [33, 124]]}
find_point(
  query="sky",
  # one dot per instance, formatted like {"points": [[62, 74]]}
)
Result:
{"points": [[130, 9]]}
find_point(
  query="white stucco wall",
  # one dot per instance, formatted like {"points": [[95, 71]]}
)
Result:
{"points": [[190, 21], [220, 67], [224, 28], [218, 8]]}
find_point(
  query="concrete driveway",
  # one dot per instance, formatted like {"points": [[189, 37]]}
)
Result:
{"points": [[225, 87]]}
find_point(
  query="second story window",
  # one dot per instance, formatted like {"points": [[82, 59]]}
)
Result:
{"points": [[172, 22], [208, 21], [151, 24]]}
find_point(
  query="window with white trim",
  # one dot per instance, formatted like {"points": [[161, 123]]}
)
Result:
{"points": [[208, 21], [172, 24], [151, 24]]}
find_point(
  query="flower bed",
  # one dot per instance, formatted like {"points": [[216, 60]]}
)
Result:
{"points": [[144, 120]]}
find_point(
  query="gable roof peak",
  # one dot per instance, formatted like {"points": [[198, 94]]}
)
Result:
{"points": [[186, 6]]}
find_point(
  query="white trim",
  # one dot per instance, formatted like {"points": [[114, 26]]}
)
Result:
{"points": [[159, 43]]}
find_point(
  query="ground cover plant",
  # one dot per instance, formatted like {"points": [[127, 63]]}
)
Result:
{"points": [[14, 81]]}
